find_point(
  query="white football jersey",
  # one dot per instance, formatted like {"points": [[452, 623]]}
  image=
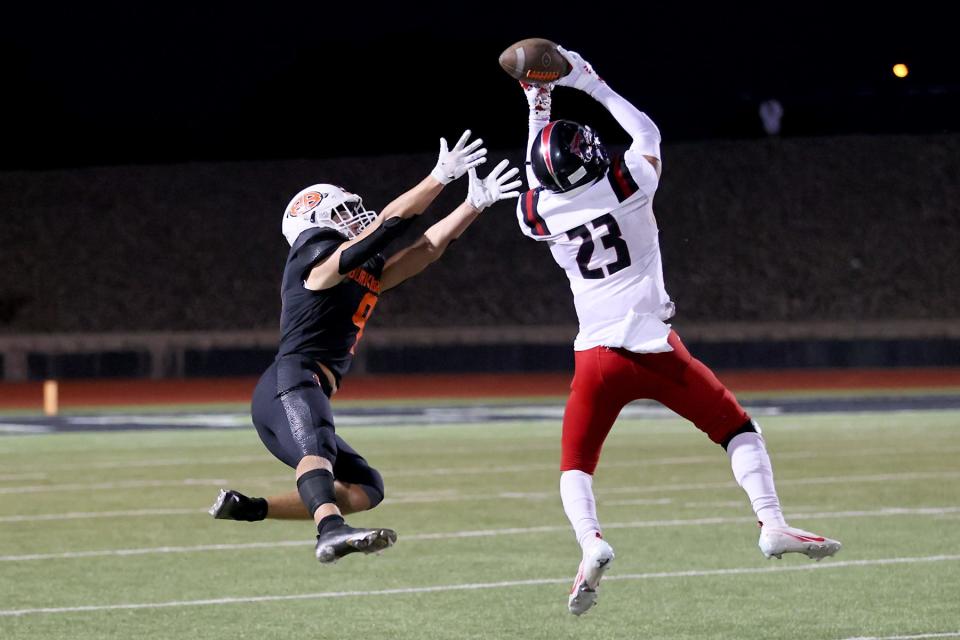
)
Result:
{"points": [[604, 236]]}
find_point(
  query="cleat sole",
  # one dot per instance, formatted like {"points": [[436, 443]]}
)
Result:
{"points": [[218, 504], [584, 600], [583, 597], [374, 541]]}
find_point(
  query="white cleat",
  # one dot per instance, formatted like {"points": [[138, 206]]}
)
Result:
{"points": [[774, 542], [596, 561]]}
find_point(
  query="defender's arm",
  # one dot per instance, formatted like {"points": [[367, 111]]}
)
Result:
{"points": [[392, 221], [434, 242]]}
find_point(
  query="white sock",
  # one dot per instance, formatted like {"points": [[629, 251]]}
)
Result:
{"points": [[753, 471], [576, 492]]}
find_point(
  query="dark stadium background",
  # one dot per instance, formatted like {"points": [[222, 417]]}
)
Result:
{"points": [[148, 150], [114, 83]]}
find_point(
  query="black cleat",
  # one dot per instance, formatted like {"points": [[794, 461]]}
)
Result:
{"points": [[233, 505], [344, 540]]}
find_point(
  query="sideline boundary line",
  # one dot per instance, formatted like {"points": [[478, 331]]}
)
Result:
{"points": [[946, 634]]}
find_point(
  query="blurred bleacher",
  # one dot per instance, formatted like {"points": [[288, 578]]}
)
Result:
{"points": [[837, 251]]}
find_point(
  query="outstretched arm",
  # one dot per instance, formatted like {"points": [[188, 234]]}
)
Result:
{"points": [[451, 164], [539, 101], [434, 242], [645, 135]]}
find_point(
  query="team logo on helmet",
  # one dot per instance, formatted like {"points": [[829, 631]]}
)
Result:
{"points": [[305, 202]]}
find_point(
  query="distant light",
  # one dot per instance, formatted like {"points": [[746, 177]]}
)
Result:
{"points": [[900, 70]]}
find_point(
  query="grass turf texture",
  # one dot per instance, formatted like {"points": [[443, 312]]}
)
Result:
{"points": [[449, 479]]}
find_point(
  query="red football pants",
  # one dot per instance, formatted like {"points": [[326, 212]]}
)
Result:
{"points": [[607, 379]]}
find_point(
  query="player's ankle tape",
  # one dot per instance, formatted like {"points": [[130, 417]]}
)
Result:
{"points": [[258, 509], [316, 488], [329, 522]]}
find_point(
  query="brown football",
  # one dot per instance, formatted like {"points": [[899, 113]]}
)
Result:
{"points": [[534, 60]]}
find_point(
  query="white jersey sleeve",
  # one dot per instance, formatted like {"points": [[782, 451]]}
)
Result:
{"points": [[605, 238]]}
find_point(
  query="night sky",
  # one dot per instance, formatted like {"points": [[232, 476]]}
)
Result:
{"points": [[163, 82]]}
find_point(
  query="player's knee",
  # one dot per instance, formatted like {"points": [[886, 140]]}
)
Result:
{"points": [[373, 487], [586, 464], [579, 453], [750, 426]]}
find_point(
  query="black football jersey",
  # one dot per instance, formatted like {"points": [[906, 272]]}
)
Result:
{"points": [[325, 325]]}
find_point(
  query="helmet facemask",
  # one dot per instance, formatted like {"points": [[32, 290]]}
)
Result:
{"points": [[586, 145], [350, 217]]}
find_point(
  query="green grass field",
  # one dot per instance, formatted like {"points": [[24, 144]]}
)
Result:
{"points": [[485, 550]]}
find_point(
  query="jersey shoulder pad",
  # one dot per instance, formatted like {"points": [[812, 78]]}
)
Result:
{"points": [[313, 246], [630, 173]]}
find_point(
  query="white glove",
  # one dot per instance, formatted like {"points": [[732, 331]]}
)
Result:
{"points": [[581, 76], [453, 163], [539, 100], [483, 193]]}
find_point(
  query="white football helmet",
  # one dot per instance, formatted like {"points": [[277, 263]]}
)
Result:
{"points": [[325, 205]]}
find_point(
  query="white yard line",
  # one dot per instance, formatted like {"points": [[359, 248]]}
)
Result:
{"points": [[454, 496], [661, 488], [169, 462], [485, 533], [948, 634], [685, 522], [138, 484], [639, 462], [19, 477], [521, 468], [708, 503], [475, 586], [110, 486], [10, 427], [205, 420], [643, 501], [391, 473], [78, 515], [878, 477]]}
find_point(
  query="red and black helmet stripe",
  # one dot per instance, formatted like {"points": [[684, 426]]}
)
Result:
{"points": [[528, 206], [620, 179], [545, 152]]}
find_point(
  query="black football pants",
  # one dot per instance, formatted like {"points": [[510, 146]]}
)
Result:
{"points": [[294, 419]]}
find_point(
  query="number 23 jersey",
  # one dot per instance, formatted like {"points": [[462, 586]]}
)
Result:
{"points": [[604, 236]]}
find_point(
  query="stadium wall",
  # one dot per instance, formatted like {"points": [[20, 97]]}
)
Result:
{"points": [[817, 250], [476, 349]]}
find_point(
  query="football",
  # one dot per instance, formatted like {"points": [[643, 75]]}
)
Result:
{"points": [[534, 60]]}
